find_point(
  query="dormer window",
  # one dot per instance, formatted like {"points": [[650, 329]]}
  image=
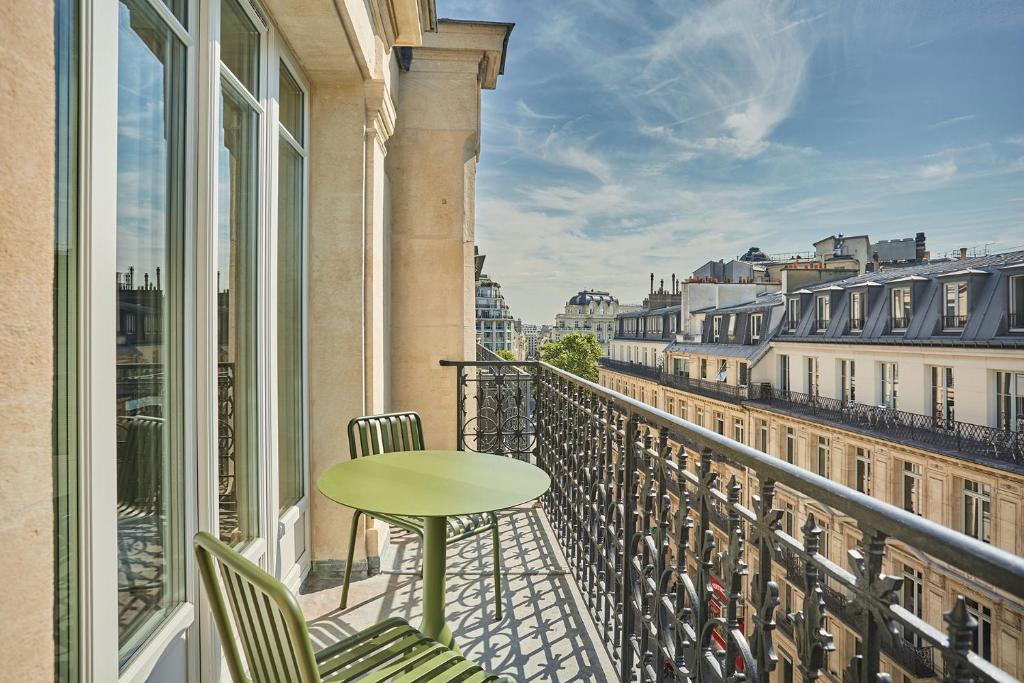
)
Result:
{"points": [[792, 313], [901, 307], [954, 316], [1016, 315], [732, 327], [755, 326], [823, 312], [857, 311], [716, 328]]}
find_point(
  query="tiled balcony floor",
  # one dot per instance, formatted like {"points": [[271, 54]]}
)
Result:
{"points": [[544, 635]]}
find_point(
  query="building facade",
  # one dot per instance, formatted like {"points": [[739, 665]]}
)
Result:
{"points": [[189, 323], [495, 326], [901, 384], [593, 312]]}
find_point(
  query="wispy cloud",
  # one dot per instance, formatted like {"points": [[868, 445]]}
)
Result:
{"points": [[955, 119], [941, 171]]}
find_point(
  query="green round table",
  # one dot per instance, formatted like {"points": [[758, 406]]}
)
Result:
{"points": [[433, 485]]}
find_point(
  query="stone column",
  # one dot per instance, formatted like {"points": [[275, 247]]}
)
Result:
{"points": [[26, 339], [432, 172]]}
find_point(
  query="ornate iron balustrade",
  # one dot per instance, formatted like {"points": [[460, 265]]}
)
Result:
{"points": [[954, 322], [936, 433], [898, 324], [638, 369], [633, 518], [721, 390], [856, 324]]}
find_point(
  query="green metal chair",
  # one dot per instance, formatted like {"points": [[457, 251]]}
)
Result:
{"points": [[266, 621], [373, 434]]}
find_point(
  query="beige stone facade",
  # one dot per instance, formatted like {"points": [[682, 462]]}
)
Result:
{"points": [[26, 317], [940, 479]]}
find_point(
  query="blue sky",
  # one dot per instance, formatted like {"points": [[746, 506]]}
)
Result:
{"points": [[630, 136]]}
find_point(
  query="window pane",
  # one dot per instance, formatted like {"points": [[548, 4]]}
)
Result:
{"points": [[290, 99], [239, 44], [290, 313], [236, 288], [65, 347], [150, 232]]}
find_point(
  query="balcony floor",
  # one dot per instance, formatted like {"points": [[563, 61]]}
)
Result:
{"points": [[544, 635]]}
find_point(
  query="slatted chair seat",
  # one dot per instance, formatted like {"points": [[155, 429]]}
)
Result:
{"points": [[254, 610], [374, 434]]}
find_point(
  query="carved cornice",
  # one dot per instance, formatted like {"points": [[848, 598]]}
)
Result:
{"points": [[380, 110]]}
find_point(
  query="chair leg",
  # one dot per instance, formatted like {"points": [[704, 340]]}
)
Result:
{"points": [[495, 535], [351, 552]]}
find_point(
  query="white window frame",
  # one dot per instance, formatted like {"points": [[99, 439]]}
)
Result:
{"points": [[912, 471], [792, 312], [847, 381], [901, 302], [823, 457], [822, 312], [813, 376], [716, 328], [889, 384], [1015, 320], [862, 470], [954, 306], [756, 320], [976, 495]]}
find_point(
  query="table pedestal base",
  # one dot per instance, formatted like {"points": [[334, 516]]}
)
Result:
{"points": [[435, 550]]}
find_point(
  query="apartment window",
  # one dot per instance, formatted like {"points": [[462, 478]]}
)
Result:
{"points": [[784, 373], [150, 257], [910, 487], [890, 382], [756, 319], [720, 423], [722, 373], [716, 328], [901, 307], [1016, 314], [790, 445], [912, 598], [743, 374], [789, 520], [943, 395], [857, 311], [731, 333], [654, 399], [645, 357], [792, 313], [762, 436], [862, 470], [954, 305], [643, 398], [682, 409], [823, 307], [977, 512], [847, 381], [812, 376], [670, 405], [681, 366], [698, 416], [982, 644], [703, 368], [821, 460], [738, 431], [1010, 401]]}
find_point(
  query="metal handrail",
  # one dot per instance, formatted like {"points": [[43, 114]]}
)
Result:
{"points": [[616, 478]]}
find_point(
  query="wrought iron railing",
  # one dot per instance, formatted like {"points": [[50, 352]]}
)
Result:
{"points": [[898, 324], [729, 392], [856, 324], [633, 517], [820, 324], [637, 369], [1015, 322], [961, 439], [954, 322]]}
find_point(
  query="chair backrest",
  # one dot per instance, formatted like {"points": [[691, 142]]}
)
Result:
{"points": [[140, 462], [264, 618], [373, 434]]}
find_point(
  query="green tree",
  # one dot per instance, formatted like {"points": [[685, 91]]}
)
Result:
{"points": [[576, 353], [505, 354]]}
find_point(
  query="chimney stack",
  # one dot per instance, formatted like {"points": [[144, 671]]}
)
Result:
{"points": [[963, 252], [919, 246]]}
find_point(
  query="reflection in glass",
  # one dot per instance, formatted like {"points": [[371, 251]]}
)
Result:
{"points": [[236, 313], [239, 44], [290, 99], [290, 313], [150, 225]]}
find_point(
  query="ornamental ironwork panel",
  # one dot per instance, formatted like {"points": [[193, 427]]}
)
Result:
{"points": [[681, 575]]}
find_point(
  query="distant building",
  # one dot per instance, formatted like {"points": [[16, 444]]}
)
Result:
{"points": [[590, 311], [531, 334], [495, 326]]}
